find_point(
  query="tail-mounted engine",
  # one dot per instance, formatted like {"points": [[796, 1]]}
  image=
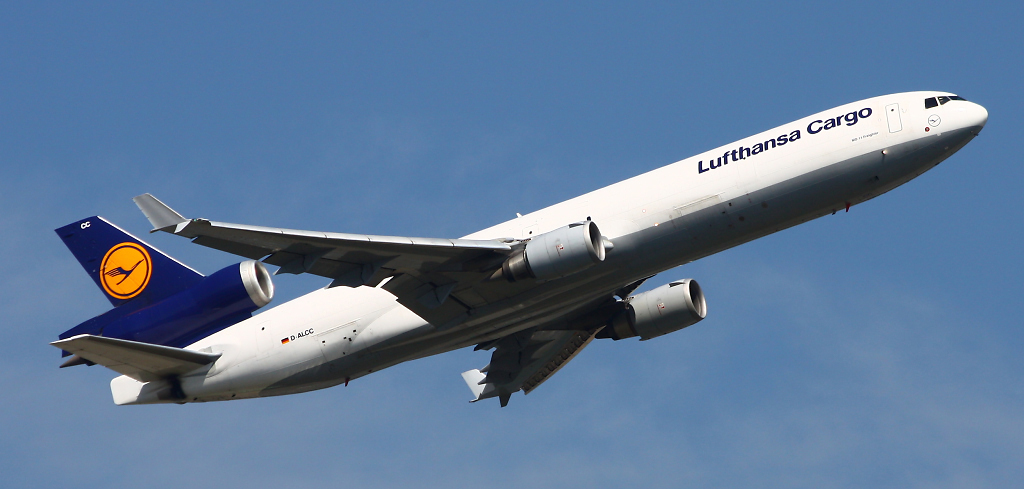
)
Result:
{"points": [[657, 312], [556, 254], [216, 302]]}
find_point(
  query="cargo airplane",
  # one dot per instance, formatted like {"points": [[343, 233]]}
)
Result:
{"points": [[534, 290]]}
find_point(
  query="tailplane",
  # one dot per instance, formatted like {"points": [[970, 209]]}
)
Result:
{"points": [[144, 362]]}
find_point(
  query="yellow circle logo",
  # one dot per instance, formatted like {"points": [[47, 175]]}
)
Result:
{"points": [[126, 270]]}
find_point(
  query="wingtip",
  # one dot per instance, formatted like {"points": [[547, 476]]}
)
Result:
{"points": [[59, 343], [160, 215]]}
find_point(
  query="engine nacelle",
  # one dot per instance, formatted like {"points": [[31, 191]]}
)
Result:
{"points": [[660, 311], [558, 253], [218, 301]]}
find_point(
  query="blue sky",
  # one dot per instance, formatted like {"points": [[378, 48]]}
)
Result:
{"points": [[879, 347]]}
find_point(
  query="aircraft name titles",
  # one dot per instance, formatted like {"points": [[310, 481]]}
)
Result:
{"points": [[815, 127]]}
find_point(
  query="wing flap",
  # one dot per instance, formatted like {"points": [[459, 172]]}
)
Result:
{"points": [[241, 249], [569, 349], [144, 362], [524, 361]]}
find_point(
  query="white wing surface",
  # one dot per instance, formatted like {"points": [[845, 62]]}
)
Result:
{"points": [[439, 279]]}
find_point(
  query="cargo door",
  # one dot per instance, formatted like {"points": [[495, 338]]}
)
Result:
{"points": [[892, 114]]}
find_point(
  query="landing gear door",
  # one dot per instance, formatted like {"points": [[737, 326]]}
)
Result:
{"points": [[892, 114]]}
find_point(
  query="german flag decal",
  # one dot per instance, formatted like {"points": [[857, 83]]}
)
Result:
{"points": [[285, 340]]}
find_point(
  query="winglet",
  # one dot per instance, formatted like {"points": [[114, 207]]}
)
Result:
{"points": [[159, 214]]}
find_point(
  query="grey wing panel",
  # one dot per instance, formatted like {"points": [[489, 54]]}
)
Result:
{"points": [[564, 350], [303, 249], [445, 298], [525, 360], [426, 271], [439, 279]]}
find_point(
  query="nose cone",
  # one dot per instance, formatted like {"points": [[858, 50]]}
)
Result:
{"points": [[975, 116]]}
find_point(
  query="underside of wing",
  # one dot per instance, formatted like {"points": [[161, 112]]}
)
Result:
{"points": [[524, 360]]}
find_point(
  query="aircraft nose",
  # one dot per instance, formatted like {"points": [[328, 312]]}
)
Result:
{"points": [[976, 116]]}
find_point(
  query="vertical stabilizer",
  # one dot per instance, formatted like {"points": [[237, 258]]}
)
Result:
{"points": [[124, 267]]}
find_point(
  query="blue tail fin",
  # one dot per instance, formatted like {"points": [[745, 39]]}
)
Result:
{"points": [[124, 267]]}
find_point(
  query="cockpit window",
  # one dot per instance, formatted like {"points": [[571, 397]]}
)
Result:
{"points": [[941, 100]]}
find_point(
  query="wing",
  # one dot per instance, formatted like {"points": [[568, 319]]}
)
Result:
{"points": [[524, 360], [439, 279], [144, 362]]}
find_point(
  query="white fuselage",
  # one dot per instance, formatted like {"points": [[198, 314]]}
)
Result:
{"points": [[658, 220]]}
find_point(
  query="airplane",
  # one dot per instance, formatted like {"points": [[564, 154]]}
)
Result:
{"points": [[536, 289]]}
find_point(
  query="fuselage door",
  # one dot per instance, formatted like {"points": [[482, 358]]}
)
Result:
{"points": [[892, 114], [337, 342]]}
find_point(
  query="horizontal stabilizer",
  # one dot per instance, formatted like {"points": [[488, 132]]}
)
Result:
{"points": [[144, 362]]}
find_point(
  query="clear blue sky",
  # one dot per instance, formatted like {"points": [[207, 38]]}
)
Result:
{"points": [[876, 348]]}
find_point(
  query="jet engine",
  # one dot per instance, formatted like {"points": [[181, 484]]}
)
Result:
{"points": [[556, 254], [657, 312]]}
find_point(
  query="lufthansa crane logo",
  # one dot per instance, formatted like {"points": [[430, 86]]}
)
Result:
{"points": [[126, 270]]}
